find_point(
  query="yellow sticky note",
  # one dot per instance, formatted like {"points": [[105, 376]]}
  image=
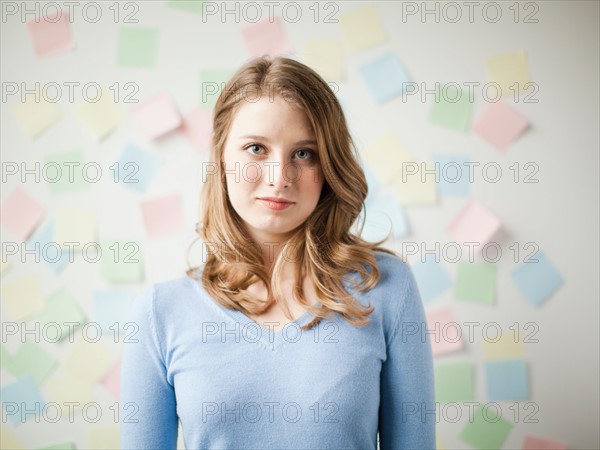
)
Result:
{"points": [[325, 57], [4, 264], [36, 114], [439, 444], [362, 28], [510, 71], [74, 225], [385, 157], [7, 440], [510, 345], [23, 297], [107, 437], [101, 117], [67, 389], [418, 186], [88, 360]]}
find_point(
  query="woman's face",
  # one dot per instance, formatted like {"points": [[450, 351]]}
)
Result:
{"points": [[271, 151]]}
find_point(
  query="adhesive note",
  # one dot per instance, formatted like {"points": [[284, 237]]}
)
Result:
{"points": [[453, 382], [506, 379], [20, 213], [385, 157], [111, 308], [163, 216], [137, 168], [8, 440], [448, 334], [64, 172], [362, 28], [510, 71], [102, 116], [266, 38], [537, 281], [453, 175], [74, 225], [47, 250], [439, 444], [384, 216], [486, 432], [212, 82], [500, 124], [104, 438], [431, 277], [32, 359], [451, 108], [69, 391], [373, 184], [36, 114], [416, 185], [156, 116], [22, 297], [60, 311], [385, 77], [537, 443], [192, 6], [87, 360], [509, 345], [325, 57], [51, 35], [476, 282], [5, 357], [4, 263], [25, 393], [112, 380], [60, 446], [137, 47], [475, 224], [197, 128]]}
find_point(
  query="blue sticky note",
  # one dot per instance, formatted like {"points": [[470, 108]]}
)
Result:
{"points": [[373, 185], [50, 251], [384, 215], [137, 167], [506, 379], [453, 175], [431, 277], [537, 280], [384, 77], [112, 306], [20, 397]]}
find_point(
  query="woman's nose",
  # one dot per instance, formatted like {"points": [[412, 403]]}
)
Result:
{"points": [[277, 173]]}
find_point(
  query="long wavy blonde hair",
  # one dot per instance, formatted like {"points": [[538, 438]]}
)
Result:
{"points": [[323, 248]]}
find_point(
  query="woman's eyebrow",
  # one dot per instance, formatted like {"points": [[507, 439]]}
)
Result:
{"points": [[254, 136]]}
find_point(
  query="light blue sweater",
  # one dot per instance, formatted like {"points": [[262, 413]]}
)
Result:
{"points": [[236, 385]]}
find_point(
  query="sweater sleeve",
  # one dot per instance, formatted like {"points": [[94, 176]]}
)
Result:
{"points": [[148, 415], [407, 410]]}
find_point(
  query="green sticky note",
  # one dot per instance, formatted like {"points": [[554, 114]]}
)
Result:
{"points": [[451, 108], [64, 172], [61, 446], [61, 310], [476, 282], [212, 81], [122, 261], [454, 382], [487, 430], [32, 359], [5, 357], [137, 47], [193, 6]]}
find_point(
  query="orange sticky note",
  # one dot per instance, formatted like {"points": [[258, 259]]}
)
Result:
{"points": [[474, 224], [446, 334], [111, 381], [266, 37], [20, 213], [500, 125], [50, 35], [156, 116], [163, 216], [197, 128]]}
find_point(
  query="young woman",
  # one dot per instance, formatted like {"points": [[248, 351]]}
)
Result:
{"points": [[294, 332]]}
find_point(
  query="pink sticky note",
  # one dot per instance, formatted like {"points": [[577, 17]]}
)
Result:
{"points": [[51, 34], [111, 380], [163, 216], [21, 213], [156, 116], [474, 223], [536, 443], [197, 128], [446, 332], [500, 125], [266, 37]]}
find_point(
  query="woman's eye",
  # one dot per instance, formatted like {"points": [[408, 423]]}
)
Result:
{"points": [[305, 154], [253, 146]]}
